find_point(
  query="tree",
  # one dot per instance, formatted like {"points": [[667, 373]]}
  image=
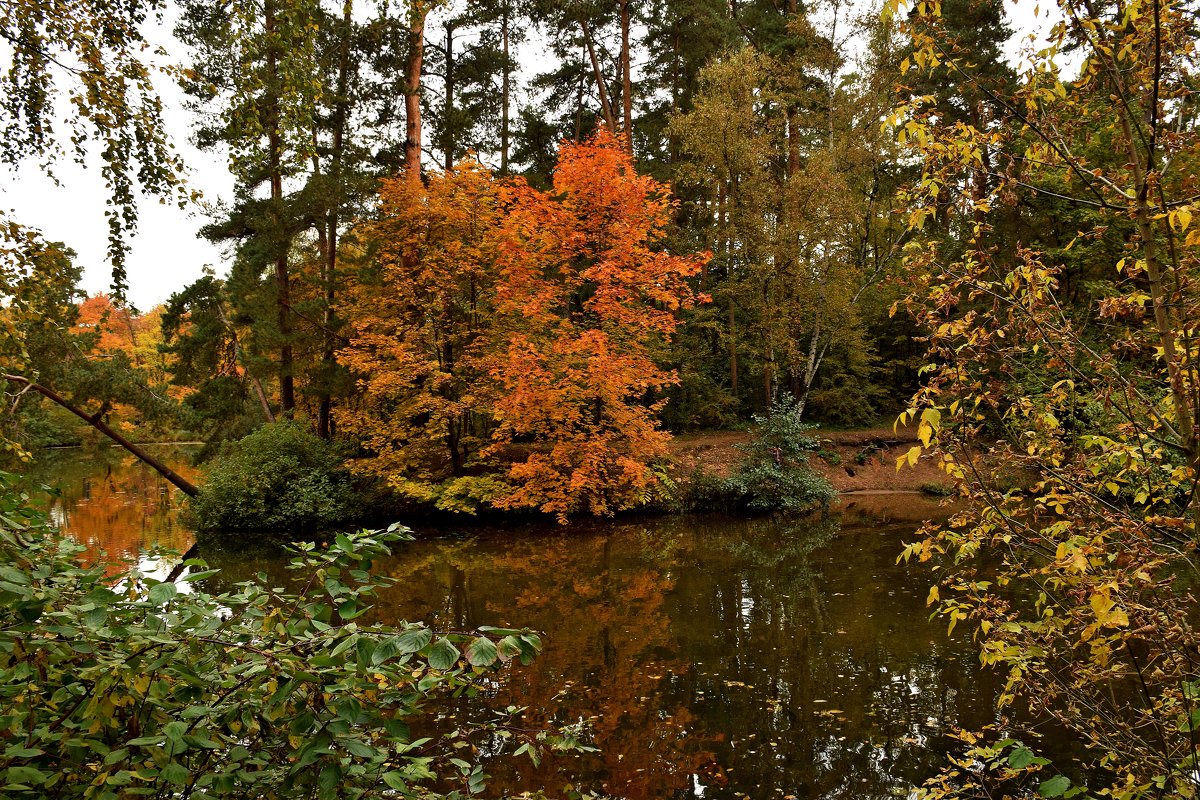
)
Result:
{"points": [[473, 56], [506, 340], [208, 358], [421, 308], [96, 49], [785, 163], [1070, 422], [584, 302], [51, 358]]}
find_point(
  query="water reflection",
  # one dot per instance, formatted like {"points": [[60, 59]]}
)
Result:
{"points": [[718, 657], [110, 501]]}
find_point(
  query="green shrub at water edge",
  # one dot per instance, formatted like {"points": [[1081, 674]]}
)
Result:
{"points": [[775, 475], [119, 685], [280, 477]]}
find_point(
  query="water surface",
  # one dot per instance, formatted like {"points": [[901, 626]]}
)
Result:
{"points": [[717, 657]]}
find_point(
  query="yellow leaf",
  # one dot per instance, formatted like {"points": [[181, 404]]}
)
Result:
{"points": [[1101, 603], [1182, 218], [933, 596], [924, 432]]}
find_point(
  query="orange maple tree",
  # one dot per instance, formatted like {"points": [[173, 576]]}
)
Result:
{"points": [[419, 306], [505, 338], [584, 300]]}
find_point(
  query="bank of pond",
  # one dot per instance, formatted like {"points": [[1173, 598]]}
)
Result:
{"points": [[714, 656]]}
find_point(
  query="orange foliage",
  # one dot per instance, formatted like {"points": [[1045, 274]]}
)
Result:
{"points": [[585, 300], [117, 330], [531, 320], [115, 326], [418, 314]]}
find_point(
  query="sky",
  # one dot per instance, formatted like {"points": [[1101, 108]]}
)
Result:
{"points": [[167, 254]]}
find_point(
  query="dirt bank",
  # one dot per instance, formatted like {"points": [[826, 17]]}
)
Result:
{"points": [[853, 461]]}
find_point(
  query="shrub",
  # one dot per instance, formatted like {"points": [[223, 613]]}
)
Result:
{"points": [[775, 475], [703, 491], [280, 477], [119, 685]]}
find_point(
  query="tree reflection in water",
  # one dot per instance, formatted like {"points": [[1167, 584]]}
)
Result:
{"points": [[718, 657], [110, 501]]}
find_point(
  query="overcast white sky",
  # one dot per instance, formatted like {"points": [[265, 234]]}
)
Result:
{"points": [[167, 254]]}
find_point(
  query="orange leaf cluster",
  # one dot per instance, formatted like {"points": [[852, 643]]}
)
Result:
{"points": [[525, 321]]}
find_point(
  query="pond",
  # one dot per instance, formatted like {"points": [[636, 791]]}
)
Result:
{"points": [[717, 657]]}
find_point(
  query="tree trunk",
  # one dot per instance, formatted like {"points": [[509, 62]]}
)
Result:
{"points": [[733, 365], [412, 92], [287, 391], [626, 79], [186, 486], [448, 100], [505, 90], [769, 378], [340, 112], [605, 106], [816, 354]]}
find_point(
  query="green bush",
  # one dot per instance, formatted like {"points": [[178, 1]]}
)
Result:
{"points": [[703, 491], [279, 478], [775, 475], [119, 685]]}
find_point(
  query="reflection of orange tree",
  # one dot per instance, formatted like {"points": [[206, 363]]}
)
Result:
{"points": [[609, 646], [122, 509]]}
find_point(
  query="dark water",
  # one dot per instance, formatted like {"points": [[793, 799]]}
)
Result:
{"points": [[716, 657]]}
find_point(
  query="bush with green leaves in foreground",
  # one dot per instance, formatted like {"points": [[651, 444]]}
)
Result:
{"points": [[279, 478], [119, 686], [775, 474]]}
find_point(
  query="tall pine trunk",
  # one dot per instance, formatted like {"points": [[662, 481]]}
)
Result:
{"points": [[287, 391], [505, 89], [606, 108], [340, 112], [448, 107], [626, 79], [412, 91]]}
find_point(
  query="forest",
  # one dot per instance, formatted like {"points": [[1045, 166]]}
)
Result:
{"points": [[509, 260]]}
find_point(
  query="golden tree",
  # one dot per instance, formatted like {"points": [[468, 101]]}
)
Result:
{"points": [[1071, 420]]}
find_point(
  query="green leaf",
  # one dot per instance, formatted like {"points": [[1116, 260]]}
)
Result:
{"points": [[500, 631], [175, 773], [199, 576], [146, 741], [386, 649], [1054, 787], [395, 780], [116, 755], [482, 653], [443, 654], [414, 640], [17, 751], [1020, 758], [29, 776], [360, 749], [161, 593], [329, 778], [351, 609]]}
